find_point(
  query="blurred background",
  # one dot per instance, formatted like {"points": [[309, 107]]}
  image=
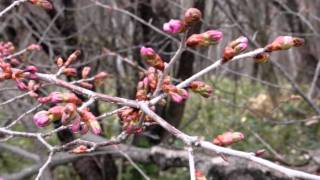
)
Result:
{"points": [[275, 104]]}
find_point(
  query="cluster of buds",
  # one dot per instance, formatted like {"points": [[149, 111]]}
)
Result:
{"points": [[25, 79], [69, 116], [46, 4], [7, 49], [130, 119], [59, 97], [201, 88], [175, 26], [205, 39], [280, 43], [234, 48], [98, 79], [228, 138], [152, 58]]}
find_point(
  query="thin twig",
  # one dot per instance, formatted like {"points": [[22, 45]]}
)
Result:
{"points": [[192, 168], [45, 165]]}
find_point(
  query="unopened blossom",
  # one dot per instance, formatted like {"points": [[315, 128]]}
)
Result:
{"points": [[41, 119], [174, 26], [201, 88], [192, 16], [234, 48], [42, 3], [69, 113], [70, 72], [72, 57], [34, 47], [91, 120], [58, 97], [284, 43], [228, 138], [76, 124], [100, 77], [205, 39], [21, 85], [152, 58], [55, 113], [31, 69], [177, 95], [84, 128]]}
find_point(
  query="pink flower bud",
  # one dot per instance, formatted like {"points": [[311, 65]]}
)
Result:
{"points": [[213, 36], [75, 126], [70, 72], [201, 88], [234, 48], [72, 58], [21, 85], [152, 58], [205, 39], [84, 128], [147, 53], [174, 26], [41, 119], [34, 47], [284, 43], [31, 69], [91, 120], [42, 3], [228, 138], [55, 113], [192, 16]]}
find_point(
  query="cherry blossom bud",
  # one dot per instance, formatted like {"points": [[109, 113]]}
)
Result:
{"points": [[192, 16], [34, 47], [174, 26], [234, 48], [31, 69], [100, 77], [201, 88], [58, 97], [21, 85], [261, 58], [72, 58], [44, 100], [205, 39], [284, 43], [80, 149], [75, 126], [42, 3], [85, 72], [177, 95], [228, 54], [91, 120], [60, 62], [55, 113], [41, 119], [152, 58], [70, 72], [228, 138]]}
